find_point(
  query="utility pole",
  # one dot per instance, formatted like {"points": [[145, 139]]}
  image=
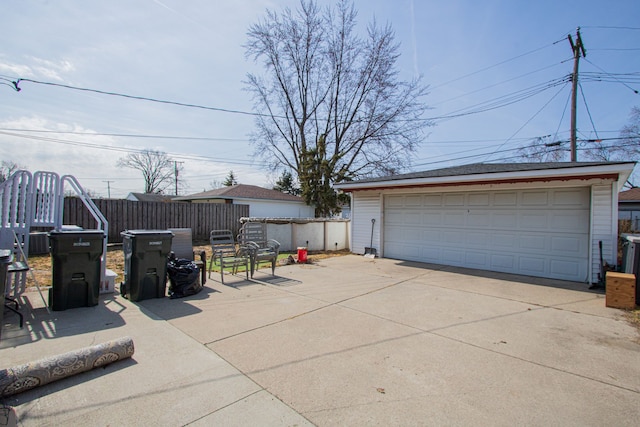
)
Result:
{"points": [[578, 50], [108, 188], [175, 171]]}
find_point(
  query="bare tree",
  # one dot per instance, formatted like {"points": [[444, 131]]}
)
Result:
{"points": [[333, 106], [543, 150], [158, 169], [7, 168], [624, 148], [629, 146]]}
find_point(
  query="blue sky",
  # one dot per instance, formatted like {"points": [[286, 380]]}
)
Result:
{"points": [[468, 52]]}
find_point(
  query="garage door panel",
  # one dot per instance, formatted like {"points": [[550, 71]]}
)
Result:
{"points": [[569, 245], [503, 262], [505, 199], [534, 266], [394, 217], [532, 242], [432, 200], [412, 218], [456, 238], [476, 259], [430, 254], [478, 239], [565, 268], [481, 199], [504, 220], [534, 221], [534, 232], [394, 201], [433, 219], [456, 199], [413, 201], [412, 238], [479, 219], [454, 219], [452, 256], [570, 221], [535, 198], [432, 236], [575, 197], [503, 241]]}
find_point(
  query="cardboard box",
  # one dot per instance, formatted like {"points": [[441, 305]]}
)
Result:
{"points": [[108, 285], [621, 290]]}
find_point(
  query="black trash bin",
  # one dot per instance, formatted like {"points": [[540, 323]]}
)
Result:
{"points": [[145, 263], [76, 265], [6, 256], [631, 258]]}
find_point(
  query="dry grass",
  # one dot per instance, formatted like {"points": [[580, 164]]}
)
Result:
{"points": [[41, 264], [633, 317]]}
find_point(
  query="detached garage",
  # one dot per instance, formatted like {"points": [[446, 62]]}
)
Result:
{"points": [[542, 219]]}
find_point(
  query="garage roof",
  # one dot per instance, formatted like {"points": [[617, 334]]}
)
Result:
{"points": [[479, 173]]}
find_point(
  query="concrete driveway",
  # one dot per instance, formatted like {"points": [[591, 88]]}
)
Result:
{"points": [[345, 341]]}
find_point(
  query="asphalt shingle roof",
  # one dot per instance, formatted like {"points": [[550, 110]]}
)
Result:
{"points": [[243, 191], [485, 168], [632, 195], [150, 197]]}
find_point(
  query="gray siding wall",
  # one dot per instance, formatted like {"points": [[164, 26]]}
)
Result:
{"points": [[604, 227]]}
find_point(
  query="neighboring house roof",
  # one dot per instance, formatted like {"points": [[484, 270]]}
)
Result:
{"points": [[632, 195], [147, 197], [479, 173], [243, 191]]}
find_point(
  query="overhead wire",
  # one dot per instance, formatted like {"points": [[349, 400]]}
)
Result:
{"points": [[534, 115], [496, 84], [144, 98], [495, 65], [487, 105], [584, 99], [125, 135], [621, 82], [131, 150], [503, 100]]}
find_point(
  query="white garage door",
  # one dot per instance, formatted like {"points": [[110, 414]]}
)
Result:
{"points": [[541, 233]]}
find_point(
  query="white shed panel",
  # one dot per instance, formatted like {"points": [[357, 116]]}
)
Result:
{"points": [[365, 207]]}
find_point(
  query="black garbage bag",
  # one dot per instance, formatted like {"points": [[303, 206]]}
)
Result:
{"points": [[184, 277]]}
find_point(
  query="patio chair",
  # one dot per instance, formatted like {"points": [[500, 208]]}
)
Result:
{"points": [[253, 235], [224, 253], [182, 247]]}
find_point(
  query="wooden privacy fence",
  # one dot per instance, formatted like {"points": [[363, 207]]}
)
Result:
{"points": [[128, 215]]}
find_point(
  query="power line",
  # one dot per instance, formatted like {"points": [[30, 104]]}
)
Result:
{"points": [[504, 100], [142, 98], [532, 117], [610, 75], [584, 99], [126, 135], [130, 150], [612, 27], [496, 84], [494, 65]]}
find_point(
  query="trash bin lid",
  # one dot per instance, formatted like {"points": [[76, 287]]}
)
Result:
{"points": [[79, 233], [146, 232], [634, 238], [6, 256]]}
